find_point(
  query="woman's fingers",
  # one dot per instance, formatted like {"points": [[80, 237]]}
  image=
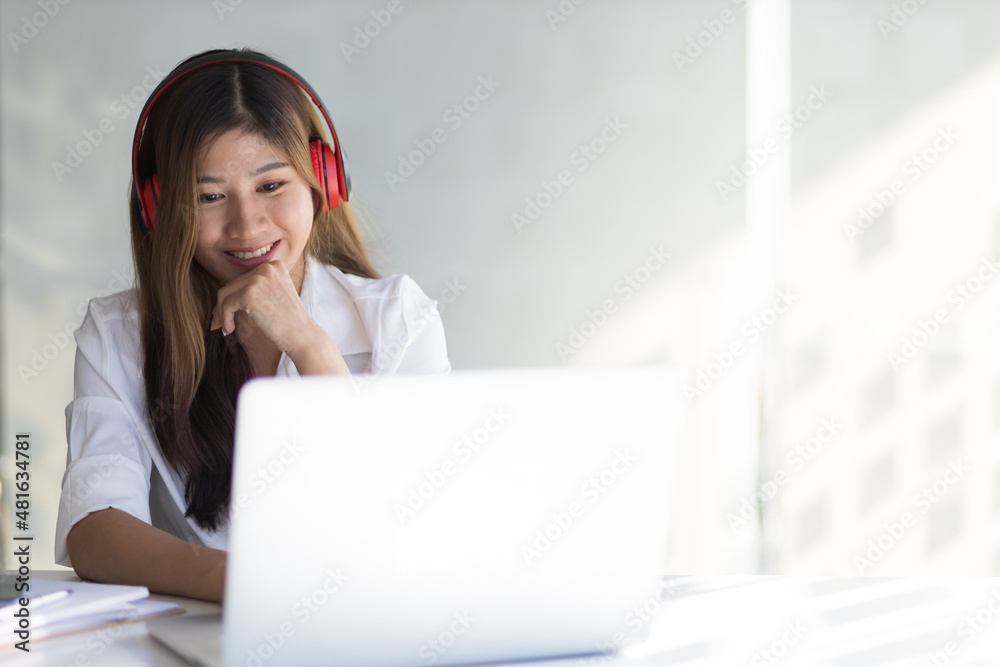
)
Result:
{"points": [[250, 298], [227, 314], [267, 296]]}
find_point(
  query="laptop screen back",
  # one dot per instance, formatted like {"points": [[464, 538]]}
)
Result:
{"points": [[416, 520]]}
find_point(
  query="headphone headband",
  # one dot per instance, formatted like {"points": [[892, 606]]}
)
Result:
{"points": [[221, 57]]}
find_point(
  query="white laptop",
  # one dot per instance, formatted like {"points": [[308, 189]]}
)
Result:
{"points": [[482, 516]]}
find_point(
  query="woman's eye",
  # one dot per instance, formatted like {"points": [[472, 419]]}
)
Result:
{"points": [[208, 198], [271, 187]]}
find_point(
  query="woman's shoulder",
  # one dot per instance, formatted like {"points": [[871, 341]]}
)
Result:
{"points": [[111, 319], [112, 308], [108, 349], [395, 286], [121, 304]]}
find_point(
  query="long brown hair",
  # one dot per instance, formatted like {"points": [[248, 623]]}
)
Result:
{"points": [[192, 375]]}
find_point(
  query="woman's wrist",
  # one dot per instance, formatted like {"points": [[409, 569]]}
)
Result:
{"points": [[214, 578], [317, 354]]}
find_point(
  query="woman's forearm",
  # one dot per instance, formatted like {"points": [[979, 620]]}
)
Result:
{"points": [[114, 547], [317, 354]]}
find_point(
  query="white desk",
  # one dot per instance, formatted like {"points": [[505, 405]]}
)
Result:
{"points": [[719, 620], [126, 644]]}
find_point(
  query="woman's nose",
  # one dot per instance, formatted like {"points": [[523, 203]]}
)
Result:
{"points": [[246, 217]]}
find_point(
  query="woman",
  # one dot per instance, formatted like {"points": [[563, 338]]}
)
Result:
{"points": [[248, 262]]}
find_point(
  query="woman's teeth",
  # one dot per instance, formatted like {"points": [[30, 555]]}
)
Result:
{"points": [[250, 255]]}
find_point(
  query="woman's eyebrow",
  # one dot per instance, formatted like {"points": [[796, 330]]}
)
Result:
{"points": [[270, 166]]}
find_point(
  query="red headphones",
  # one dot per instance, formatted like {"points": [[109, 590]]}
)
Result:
{"points": [[329, 164]]}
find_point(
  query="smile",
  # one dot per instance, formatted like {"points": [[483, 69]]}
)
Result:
{"points": [[251, 255]]}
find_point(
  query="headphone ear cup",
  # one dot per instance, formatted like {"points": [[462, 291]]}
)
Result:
{"points": [[344, 174], [149, 197], [325, 167]]}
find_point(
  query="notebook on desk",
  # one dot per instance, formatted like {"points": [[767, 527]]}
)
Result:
{"points": [[487, 515], [53, 608]]}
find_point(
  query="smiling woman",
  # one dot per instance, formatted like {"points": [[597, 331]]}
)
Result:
{"points": [[251, 216], [248, 262]]}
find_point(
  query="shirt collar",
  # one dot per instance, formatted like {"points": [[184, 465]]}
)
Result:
{"points": [[329, 298]]}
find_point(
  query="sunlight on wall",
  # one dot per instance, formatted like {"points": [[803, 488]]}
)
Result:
{"points": [[893, 341]]}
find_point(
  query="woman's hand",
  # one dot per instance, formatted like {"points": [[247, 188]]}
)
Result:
{"points": [[266, 297]]}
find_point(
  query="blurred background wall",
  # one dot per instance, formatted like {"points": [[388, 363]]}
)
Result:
{"points": [[811, 181]]}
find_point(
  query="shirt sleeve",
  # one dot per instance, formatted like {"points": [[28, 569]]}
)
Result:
{"points": [[426, 351], [106, 464]]}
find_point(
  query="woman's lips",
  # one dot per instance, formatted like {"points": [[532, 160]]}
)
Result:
{"points": [[252, 261]]}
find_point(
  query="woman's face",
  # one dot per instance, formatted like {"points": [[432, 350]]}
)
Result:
{"points": [[253, 207]]}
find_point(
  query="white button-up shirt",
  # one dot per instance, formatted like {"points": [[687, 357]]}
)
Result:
{"points": [[382, 326]]}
